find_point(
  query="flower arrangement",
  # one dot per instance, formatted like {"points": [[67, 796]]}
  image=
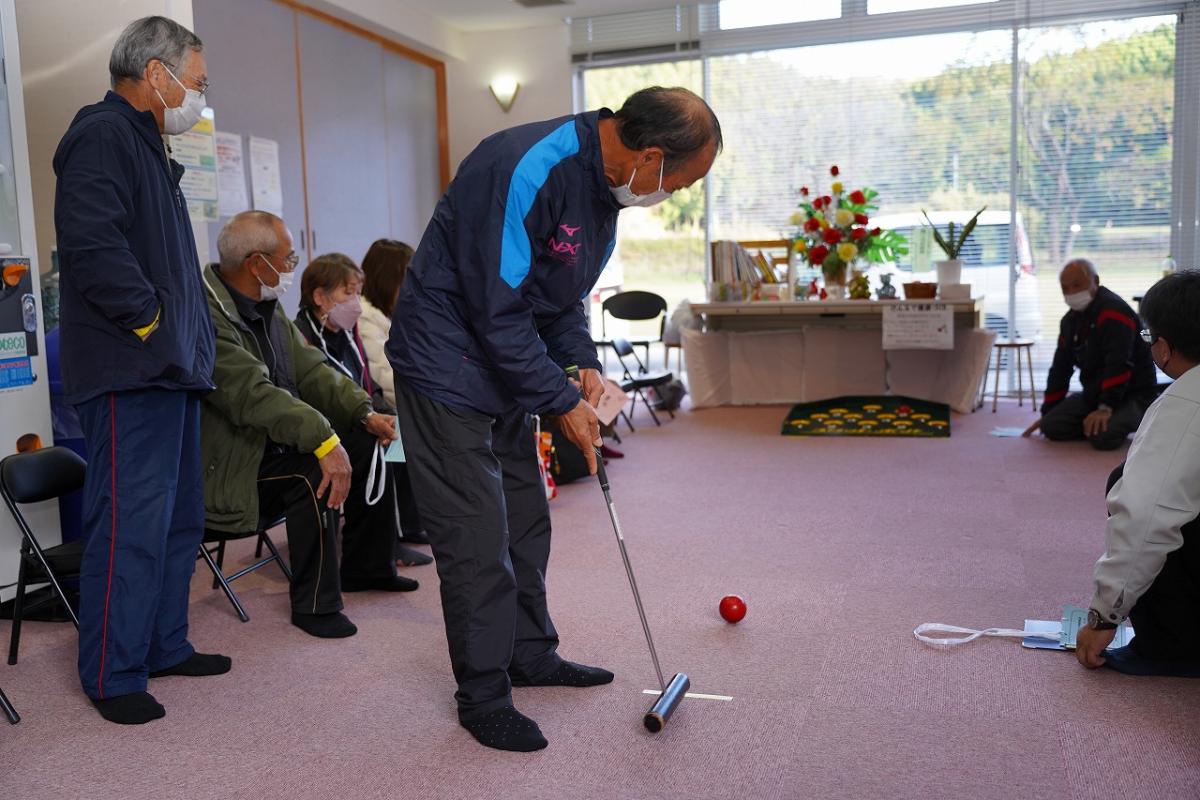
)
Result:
{"points": [[833, 230]]}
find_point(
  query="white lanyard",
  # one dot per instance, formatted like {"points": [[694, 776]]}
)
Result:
{"points": [[923, 630], [318, 330]]}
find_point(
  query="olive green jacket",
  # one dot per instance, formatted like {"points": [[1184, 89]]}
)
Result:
{"points": [[246, 408]]}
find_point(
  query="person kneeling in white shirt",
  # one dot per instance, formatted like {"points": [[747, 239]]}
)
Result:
{"points": [[1150, 572]]}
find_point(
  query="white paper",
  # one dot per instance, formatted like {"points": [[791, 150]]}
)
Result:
{"points": [[920, 248], [264, 175], [918, 326], [611, 402], [231, 174], [196, 150], [1008, 433]]}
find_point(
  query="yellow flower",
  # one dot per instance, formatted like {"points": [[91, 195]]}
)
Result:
{"points": [[798, 218], [843, 217], [847, 251], [824, 223], [800, 246], [837, 187]]}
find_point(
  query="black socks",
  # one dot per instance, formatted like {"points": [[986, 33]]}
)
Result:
{"points": [[197, 665], [395, 583], [506, 729], [412, 558], [130, 709], [569, 673], [334, 625]]}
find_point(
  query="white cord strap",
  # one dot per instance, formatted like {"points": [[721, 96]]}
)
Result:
{"points": [[377, 476], [922, 633]]}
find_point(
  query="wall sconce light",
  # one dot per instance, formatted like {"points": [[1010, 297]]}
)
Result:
{"points": [[504, 88]]}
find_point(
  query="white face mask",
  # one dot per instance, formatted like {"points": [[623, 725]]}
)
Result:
{"points": [[626, 196], [278, 290], [182, 119], [1078, 301]]}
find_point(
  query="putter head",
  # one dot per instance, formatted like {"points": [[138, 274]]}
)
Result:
{"points": [[656, 718]]}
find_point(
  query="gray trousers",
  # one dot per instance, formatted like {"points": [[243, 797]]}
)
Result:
{"points": [[1064, 422], [481, 500]]}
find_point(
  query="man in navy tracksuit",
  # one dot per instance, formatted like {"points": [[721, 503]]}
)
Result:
{"points": [[1100, 336], [490, 327], [137, 352]]}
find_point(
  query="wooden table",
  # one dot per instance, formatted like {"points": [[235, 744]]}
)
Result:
{"points": [[766, 315]]}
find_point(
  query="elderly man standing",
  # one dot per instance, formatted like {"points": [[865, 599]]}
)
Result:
{"points": [[1099, 335], [137, 353], [490, 328], [285, 433]]}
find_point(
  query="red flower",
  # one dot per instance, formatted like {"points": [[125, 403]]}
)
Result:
{"points": [[858, 197], [861, 219], [817, 201], [812, 224], [876, 231], [817, 254], [858, 233], [832, 236], [833, 170], [826, 200], [804, 191]]}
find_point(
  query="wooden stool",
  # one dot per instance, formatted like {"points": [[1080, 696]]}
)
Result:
{"points": [[1018, 346]]}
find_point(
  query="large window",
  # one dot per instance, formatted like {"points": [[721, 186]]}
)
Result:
{"points": [[928, 121]]}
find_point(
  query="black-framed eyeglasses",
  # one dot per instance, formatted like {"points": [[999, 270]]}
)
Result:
{"points": [[1148, 337], [291, 259], [199, 85]]}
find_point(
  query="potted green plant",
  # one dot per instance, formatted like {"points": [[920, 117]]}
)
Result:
{"points": [[949, 271]]}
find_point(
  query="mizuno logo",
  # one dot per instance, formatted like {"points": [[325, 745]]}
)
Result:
{"points": [[567, 229], [564, 247]]}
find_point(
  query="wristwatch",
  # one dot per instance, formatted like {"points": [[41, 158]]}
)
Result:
{"points": [[1097, 623]]}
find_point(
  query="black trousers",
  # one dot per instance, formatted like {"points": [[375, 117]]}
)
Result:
{"points": [[1064, 422], [481, 499], [1166, 619], [287, 484], [406, 499]]}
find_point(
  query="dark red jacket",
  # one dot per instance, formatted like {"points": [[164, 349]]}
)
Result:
{"points": [[1104, 342]]}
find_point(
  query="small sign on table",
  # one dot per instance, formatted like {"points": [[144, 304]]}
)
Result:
{"points": [[918, 326]]}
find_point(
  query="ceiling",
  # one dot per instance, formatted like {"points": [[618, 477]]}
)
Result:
{"points": [[488, 15]]}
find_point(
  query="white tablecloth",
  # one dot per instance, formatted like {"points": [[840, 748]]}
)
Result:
{"points": [[817, 363]]}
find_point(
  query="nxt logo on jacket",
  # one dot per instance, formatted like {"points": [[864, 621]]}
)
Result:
{"points": [[565, 251]]}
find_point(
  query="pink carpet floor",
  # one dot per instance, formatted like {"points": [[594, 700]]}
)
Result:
{"points": [[840, 546]]}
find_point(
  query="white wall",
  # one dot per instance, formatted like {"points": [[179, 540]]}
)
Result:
{"points": [[405, 25], [539, 60], [65, 46]]}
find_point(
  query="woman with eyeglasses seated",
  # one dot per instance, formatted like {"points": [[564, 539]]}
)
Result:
{"points": [[330, 309]]}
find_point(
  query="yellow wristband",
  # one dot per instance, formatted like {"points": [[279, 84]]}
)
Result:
{"points": [[142, 333], [327, 446]]}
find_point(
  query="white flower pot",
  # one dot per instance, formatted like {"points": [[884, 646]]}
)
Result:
{"points": [[949, 273]]}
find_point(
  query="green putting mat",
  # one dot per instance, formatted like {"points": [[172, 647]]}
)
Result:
{"points": [[869, 416]]}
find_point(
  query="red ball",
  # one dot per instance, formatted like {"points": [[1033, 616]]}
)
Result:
{"points": [[733, 608]]}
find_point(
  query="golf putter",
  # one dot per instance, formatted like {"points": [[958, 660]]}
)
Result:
{"points": [[656, 718]]}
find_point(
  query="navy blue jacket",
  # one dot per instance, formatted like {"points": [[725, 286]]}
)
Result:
{"points": [[1105, 343], [492, 307], [126, 251]]}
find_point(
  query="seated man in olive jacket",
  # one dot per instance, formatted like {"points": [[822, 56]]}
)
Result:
{"points": [[281, 430]]}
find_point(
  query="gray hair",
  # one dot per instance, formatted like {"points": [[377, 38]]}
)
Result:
{"points": [[145, 40], [247, 233], [1088, 267], [676, 120]]}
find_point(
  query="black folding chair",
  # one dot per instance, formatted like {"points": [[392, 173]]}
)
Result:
{"points": [[633, 306], [638, 380], [9, 711], [212, 550], [35, 477]]}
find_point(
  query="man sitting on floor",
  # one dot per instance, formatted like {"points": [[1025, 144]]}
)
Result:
{"points": [[1151, 570], [1099, 335], [268, 435]]}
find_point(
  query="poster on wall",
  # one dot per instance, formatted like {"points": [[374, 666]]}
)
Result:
{"points": [[265, 182], [18, 323], [196, 150], [231, 174]]}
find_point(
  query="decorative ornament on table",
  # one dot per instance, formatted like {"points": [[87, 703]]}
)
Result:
{"points": [[860, 286], [886, 291], [831, 234]]}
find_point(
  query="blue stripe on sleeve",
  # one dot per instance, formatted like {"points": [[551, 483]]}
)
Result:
{"points": [[528, 179]]}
